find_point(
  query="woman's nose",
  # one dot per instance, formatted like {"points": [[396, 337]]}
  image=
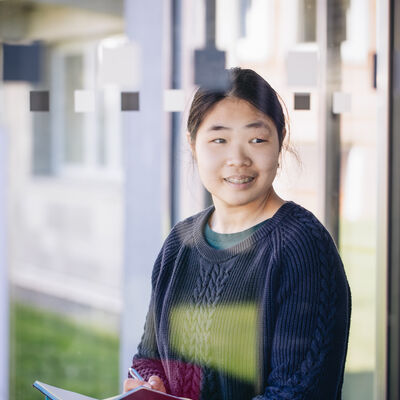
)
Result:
{"points": [[238, 157]]}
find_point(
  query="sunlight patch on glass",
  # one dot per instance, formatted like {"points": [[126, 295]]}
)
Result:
{"points": [[222, 337]]}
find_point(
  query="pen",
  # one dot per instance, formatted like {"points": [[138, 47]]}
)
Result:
{"points": [[134, 374]]}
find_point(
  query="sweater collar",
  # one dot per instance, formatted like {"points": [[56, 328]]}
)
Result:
{"points": [[219, 255]]}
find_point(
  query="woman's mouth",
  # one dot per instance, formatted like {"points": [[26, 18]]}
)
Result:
{"points": [[239, 180]]}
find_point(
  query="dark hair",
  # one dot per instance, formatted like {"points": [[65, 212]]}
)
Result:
{"points": [[243, 84]]}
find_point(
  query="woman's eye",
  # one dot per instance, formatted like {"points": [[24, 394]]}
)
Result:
{"points": [[218, 140], [258, 140]]}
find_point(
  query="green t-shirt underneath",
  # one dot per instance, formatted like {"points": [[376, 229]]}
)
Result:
{"points": [[225, 240]]}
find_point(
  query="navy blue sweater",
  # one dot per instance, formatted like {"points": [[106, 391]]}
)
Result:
{"points": [[265, 319]]}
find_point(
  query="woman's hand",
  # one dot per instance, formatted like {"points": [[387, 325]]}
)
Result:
{"points": [[154, 382], [130, 384], [157, 383]]}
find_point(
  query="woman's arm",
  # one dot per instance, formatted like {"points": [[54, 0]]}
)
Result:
{"points": [[147, 359], [312, 321]]}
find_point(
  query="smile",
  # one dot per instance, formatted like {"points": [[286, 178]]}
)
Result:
{"points": [[239, 180]]}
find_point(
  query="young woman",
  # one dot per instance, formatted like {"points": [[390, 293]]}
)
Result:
{"points": [[249, 297]]}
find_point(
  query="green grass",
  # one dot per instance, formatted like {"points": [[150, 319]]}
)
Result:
{"points": [[54, 349]]}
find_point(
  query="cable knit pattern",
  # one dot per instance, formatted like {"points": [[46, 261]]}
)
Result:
{"points": [[148, 369], [280, 295], [207, 292], [306, 377]]}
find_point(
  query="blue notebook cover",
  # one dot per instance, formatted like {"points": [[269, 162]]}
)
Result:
{"points": [[140, 393]]}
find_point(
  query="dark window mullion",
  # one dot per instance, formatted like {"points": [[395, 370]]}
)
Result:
{"points": [[394, 205]]}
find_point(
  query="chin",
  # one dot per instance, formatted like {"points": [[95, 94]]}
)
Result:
{"points": [[237, 202]]}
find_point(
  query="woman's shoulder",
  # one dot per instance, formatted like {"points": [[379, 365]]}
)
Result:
{"points": [[177, 239], [183, 230], [300, 225], [307, 245]]}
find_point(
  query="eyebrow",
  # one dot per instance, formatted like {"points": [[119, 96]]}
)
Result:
{"points": [[255, 124], [217, 128], [258, 124]]}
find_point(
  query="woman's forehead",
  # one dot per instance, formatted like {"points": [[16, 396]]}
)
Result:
{"points": [[232, 110]]}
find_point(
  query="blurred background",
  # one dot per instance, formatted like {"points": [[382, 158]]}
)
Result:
{"points": [[95, 170]]}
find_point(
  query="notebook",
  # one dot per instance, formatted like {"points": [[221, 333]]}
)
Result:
{"points": [[139, 393]]}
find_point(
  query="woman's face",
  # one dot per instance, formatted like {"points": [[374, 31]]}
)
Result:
{"points": [[237, 152]]}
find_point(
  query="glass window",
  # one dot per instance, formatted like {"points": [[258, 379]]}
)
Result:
{"points": [[73, 141], [66, 194], [304, 181], [64, 205]]}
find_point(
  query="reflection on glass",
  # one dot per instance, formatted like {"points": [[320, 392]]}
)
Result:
{"points": [[57, 222], [358, 193], [65, 203], [47, 346], [191, 328]]}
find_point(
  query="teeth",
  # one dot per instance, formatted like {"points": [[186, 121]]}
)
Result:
{"points": [[239, 180]]}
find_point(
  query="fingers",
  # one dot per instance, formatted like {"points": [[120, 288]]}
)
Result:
{"points": [[157, 383], [154, 382], [130, 384]]}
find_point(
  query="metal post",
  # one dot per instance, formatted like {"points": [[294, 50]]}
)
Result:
{"points": [[145, 144], [331, 32], [4, 299], [394, 203], [176, 71], [210, 23]]}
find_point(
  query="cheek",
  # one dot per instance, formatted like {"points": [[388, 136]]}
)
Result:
{"points": [[208, 168], [268, 161], [206, 159]]}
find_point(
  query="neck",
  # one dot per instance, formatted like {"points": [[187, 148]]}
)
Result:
{"points": [[227, 219]]}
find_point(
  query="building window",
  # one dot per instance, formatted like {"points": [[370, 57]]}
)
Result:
{"points": [[69, 143]]}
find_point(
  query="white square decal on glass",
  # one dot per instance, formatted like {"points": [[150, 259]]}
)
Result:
{"points": [[119, 65], [302, 68], [341, 102], [174, 100], [84, 101]]}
